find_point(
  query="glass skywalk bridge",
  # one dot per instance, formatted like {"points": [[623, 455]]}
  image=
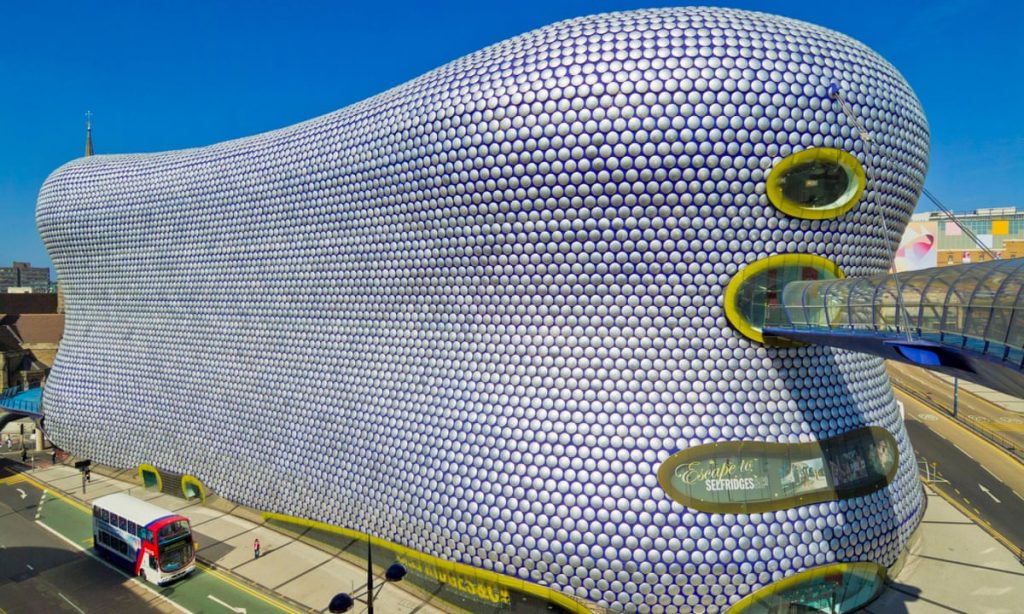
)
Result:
{"points": [[966, 320]]}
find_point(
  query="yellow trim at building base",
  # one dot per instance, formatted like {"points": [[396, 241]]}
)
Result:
{"points": [[476, 579], [810, 575]]}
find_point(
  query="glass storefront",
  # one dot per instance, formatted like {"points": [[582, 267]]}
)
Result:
{"points": [[830, 589]]}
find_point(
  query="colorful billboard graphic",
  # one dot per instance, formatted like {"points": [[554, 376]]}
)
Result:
{"points": [[918, 248]]}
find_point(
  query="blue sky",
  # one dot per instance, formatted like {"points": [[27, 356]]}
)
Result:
{"points": [[168, 75]]}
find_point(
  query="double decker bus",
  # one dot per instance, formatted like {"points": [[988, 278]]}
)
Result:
{"points": [[154, 543]]}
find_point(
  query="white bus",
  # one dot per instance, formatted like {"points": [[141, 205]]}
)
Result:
{"points": [[154, 543]]}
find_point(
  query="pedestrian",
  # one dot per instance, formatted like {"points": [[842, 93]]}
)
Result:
{"points": [[88, 475], [53, 457], [7, 440], [24, 455], [256, 549]]}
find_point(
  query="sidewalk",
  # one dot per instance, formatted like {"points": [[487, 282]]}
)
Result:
{"points": [[300, 572], [953, 566], [1007, 402]]}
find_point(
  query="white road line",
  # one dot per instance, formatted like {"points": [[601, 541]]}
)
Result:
{"points": [[142, 585], [31, 568], [964, 451], [988, 492], [70, 603]]}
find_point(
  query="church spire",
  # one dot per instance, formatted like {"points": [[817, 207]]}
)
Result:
{"points": [[88, 133]]}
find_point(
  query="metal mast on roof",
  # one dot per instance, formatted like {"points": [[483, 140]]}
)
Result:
{"points": [[88, 133]]}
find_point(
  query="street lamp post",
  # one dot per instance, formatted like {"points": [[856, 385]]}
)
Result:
{"points": [[343, 602], [956, 394]]}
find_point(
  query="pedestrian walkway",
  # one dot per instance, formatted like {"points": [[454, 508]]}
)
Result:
{"points": [[297, 571]]}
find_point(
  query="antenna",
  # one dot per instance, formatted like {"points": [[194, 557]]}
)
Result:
{"points": [[88, 133]]}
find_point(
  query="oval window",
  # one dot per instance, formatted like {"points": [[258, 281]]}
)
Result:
{"points": [[754, 295], [839, 587], [816, 183], [746, 477]]}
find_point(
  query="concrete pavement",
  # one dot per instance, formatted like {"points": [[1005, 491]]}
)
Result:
{"points": [[954, 566]]}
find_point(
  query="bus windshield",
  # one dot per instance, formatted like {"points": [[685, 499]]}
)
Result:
{"points": [[173, 530], [176, 554]]}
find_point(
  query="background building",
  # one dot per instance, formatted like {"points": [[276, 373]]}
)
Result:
{"points": [[30, 332], [932, 239], [23, 275]]}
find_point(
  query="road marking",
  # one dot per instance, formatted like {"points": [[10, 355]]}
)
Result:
{"points": [[988, 492], [977, 520], [62, 497], [232, 608], [30, 568], [21, 492], [225, 578], [964, 451], [70, 603], [927, 417]]}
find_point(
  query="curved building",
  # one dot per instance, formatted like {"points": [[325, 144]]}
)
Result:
{"points": [[508, 314]]}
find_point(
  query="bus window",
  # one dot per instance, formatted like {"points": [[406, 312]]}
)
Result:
{"points": [[95, 511], [173, 529], [131, 527], [113, 520], [104, 515], [122, 523]]}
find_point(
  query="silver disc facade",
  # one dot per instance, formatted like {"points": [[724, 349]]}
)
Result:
{"points": [[475, 313]]}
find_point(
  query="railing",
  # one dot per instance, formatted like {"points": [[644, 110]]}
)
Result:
{"points": [[778, 317], [992, 437]]}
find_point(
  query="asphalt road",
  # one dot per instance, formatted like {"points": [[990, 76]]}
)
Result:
{"points": [[970, 483], [1003, 424], [81, 582], [966, 468], [40, 572]]}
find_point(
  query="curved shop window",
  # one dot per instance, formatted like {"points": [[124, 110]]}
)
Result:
{"points": [[754, 295], [816, 183], [746, 477], [838, 588]]}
